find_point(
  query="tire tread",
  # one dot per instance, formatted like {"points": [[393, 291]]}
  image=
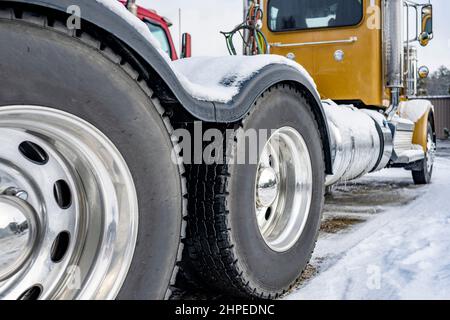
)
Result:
{"points": [[100, 43], [210, 252]]}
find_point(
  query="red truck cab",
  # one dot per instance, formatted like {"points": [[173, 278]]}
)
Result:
{"points": [[159, 26]]}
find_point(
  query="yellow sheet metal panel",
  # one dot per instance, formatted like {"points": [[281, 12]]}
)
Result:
{"points": [[421, 132], [359, 75]]}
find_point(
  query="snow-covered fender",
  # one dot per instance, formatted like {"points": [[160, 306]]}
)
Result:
{"points": [[104, 16], [420, 112]]}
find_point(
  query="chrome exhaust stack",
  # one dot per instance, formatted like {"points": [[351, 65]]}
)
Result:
{"points": [[393, 51]]}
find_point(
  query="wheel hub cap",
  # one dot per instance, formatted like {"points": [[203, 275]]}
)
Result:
{"points": [[18, 230], [267, 189]]}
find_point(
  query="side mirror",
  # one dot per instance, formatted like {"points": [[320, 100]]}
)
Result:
{"points": [[186, 50], [424, 72], [427, 21]]}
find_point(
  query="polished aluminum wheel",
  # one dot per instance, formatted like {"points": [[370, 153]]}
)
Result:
{"points": [[431, 152], [68, 208], [283, 190]]}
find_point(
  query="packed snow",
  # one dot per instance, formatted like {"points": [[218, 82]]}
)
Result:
{"points": [[400, 250], [216, 79]]}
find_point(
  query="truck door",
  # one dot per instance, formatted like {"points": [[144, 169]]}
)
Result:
{"points": [[335, 41]]}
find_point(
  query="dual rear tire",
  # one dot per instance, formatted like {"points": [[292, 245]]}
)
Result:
{"points": [[86, 111]]}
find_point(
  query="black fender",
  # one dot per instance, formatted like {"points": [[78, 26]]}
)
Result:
{"points": [[103, 18]]}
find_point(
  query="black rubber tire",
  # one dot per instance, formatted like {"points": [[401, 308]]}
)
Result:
{"points": [[423, 175], [43, 63], [223, 243]]}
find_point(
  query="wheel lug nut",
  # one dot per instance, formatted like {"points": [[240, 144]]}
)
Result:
{"points": [[16, 192], [22, 195]]}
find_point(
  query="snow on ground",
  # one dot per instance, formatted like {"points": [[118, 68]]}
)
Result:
{"points": [[399, 250]]}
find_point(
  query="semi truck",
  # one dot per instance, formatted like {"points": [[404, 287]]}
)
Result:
{"points": [[93, 121]]}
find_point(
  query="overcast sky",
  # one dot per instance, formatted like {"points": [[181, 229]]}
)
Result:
{"points": [[204, 19]]}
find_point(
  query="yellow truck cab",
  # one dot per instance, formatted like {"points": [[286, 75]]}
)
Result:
{"points": [[338, 41], [344, 44]]}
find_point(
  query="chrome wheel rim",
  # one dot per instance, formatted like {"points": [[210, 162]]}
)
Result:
{"points": [[283, 189], [431, 152], [67, 199]]}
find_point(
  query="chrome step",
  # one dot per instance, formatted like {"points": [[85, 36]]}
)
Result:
{"points": [[412, 155], [405, 151]]}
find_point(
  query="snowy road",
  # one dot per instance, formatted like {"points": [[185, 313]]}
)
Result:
{"points": [[384, 238]]}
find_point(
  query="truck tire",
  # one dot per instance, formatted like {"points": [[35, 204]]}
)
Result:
{"points": [[425, 172], [86, 150], [234, 243]]}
